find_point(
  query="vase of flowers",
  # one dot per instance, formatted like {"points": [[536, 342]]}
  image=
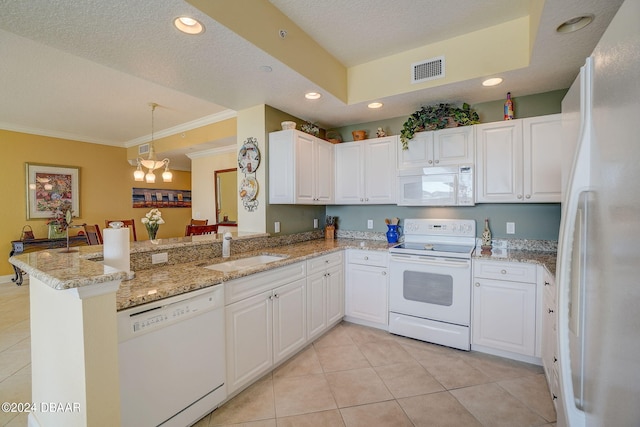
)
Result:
{"points": [[152, 221], [61, 221]]}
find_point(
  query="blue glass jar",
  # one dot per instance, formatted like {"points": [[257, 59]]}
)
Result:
{"points": [[392, 233]]}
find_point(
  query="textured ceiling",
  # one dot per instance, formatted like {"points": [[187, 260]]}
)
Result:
{"points": [[87, 69]]}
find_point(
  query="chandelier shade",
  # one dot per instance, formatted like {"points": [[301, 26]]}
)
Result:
{"points": [[150, 163]]}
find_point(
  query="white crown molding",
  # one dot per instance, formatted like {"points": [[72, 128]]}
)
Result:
{"points": [[212, 152], [194, 124], [53, 134]]}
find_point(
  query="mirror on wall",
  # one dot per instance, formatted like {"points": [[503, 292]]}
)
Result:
{"points": [[226, 200]]}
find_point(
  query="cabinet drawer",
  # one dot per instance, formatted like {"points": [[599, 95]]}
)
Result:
{"points": [[323, 262], [376, 258], [245, 287], [511, 271]]}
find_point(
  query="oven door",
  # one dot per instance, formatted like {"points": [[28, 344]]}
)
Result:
{"points": [[431, 288]]}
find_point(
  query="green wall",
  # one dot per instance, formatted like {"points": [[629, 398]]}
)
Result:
{"points": [[526, 106], [533, 221]]}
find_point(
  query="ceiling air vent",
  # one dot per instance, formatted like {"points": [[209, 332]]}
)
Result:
{"points": [[143, 149], [428, 69]]}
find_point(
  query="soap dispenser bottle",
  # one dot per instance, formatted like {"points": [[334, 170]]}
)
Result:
{"points": [[226, 245]]}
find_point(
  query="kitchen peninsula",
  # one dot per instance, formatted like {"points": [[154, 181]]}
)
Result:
{"points": [[75, 300]]}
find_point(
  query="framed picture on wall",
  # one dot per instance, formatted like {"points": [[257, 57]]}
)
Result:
{"points": [[49, 186]]}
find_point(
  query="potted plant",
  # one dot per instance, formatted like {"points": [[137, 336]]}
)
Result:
{"points": [[433, 117]]}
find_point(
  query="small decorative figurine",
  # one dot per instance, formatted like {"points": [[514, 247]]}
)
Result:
{"points": [[486, 237], [380, 133]]}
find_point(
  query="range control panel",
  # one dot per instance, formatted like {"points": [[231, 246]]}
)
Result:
{"points": [[440, 227]]}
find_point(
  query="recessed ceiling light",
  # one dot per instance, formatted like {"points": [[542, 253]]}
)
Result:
{"points": [[492, 82], [375, 105], [188, 25], [312, 95], [265, 68], [575, 24]]}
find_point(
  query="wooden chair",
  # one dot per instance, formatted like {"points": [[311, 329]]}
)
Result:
{"points": [[129, 223], [199, 221], [196, 230], [93, 234]]}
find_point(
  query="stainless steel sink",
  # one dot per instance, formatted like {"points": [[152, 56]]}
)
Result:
{"points": [[243, 263]]}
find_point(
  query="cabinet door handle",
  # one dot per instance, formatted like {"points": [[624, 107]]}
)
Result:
{"points": [[366, 200], [546, 283], [277, 296], [477, 285], [270, 298], [519, 196], [550, 311], [326, 261], [430, 161], [361, 199], [503, 271], [528, 196], [437, 161], [384, 273], [366, 258]]}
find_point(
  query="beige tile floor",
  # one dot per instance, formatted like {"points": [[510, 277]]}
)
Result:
{"points": [[352, 376]]}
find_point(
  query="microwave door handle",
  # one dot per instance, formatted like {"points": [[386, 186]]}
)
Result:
{"points": [[456, 189]]}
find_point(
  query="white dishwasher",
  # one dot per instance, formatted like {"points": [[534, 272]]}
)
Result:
{"points": [[172, 359]]}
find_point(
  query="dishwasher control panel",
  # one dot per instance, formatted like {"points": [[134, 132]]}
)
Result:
{"points": [[155, 315]]}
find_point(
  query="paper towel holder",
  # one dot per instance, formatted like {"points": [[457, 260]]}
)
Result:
{"points": [[116, 224]]}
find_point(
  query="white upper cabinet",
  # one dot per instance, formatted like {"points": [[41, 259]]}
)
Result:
{"points": [[366, 171], [542, 137], [444, 147], [300, 169], [517, 161]]}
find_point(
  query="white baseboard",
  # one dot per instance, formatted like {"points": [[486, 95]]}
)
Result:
{"points": [[6, 279]]}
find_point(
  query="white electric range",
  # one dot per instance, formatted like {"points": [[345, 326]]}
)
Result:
{"points": [[430, 281]]}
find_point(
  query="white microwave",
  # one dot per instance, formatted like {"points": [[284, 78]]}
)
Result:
{"points": [[437, 186]]}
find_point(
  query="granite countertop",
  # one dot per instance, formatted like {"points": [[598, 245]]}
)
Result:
{"points": [[62, 270], [544, 258], [162, 282], [66, 270]]}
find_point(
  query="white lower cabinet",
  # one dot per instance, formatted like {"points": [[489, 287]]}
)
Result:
{"points": [[265, 327], [325, 293], [272, 315], [367, 288], [504, 317]]}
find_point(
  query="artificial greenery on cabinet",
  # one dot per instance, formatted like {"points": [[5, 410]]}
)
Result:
{"points": [[433, 117]]}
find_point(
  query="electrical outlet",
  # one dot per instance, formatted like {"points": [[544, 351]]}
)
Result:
{"points": [[511, 228], [159, 258], [370, 224], [276, 226], [315, 222]]}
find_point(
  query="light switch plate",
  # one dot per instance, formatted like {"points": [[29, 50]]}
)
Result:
{"points": [[276, 226], [315, 222], [511, 228], [370, 224]]}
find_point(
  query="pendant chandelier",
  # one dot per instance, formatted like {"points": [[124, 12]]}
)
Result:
{"points": [[150, 163]]}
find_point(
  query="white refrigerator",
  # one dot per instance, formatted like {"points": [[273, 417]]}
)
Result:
{"points": [[599, 251]]}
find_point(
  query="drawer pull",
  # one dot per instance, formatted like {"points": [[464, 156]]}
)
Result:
{"points": [[366, 258], [503, 271], [477, 285], [384, 273]]}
